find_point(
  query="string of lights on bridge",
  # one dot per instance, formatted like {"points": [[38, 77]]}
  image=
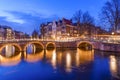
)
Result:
{"points": [[105, 39]]}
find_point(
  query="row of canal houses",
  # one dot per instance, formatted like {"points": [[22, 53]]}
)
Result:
{"points": [[58, 29], [7, 33], [66, 28]]}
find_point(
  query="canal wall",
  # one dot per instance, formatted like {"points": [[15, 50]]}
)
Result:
{"points": [[113, 47]]}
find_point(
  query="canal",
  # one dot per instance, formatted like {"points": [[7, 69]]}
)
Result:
{"points": [[58, 64]]}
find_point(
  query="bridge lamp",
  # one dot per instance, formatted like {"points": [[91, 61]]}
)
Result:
{"points": [[113, 36], [101, 38], [58, 38], [108, 40], [94, 37], [68, 34], [77, 35], [113, 33]]}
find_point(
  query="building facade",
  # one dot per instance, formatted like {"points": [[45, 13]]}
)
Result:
{"points": [[7, 33], [58, 29], [66, 29]]}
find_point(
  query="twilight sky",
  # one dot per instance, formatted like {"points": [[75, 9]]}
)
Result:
{"points": [[26, 15]]}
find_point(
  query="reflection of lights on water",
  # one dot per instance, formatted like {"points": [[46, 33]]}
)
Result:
{"points": [[34, 48], [60, 58], [33, 57], [10, 61], [68, 62], [113, 64], [31, 48], [9, 50], [83, 56], [54, 59], [77, 59]]}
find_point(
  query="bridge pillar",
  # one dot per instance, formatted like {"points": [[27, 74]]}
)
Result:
{"points": [[22, 47]]}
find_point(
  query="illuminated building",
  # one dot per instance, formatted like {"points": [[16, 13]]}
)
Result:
{"points": [[2, 33], [66, 28], [8, 33], [19, 35], [57, 29]]}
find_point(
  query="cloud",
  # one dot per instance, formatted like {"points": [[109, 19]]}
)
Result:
{"points": [[25, 22], [11, 18]]}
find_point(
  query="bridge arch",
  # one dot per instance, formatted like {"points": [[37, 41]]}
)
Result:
{"points": [[85, 45], [38, 45], [17, 46], [50, 45]]}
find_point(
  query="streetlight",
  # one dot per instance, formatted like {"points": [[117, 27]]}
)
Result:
{"points": [[113, 33], [113, 36]]}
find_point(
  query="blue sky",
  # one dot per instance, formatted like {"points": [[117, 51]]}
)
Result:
{"points": [[27, 15]]}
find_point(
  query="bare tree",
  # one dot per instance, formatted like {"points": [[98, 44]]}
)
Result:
{"points": [[87, 18], [111, 14], [87, 24], [77, 17], [83, 20]]}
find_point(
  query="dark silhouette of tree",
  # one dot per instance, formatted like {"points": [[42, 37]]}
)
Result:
{"points": [[77, 17], [87, 23], [87, 18], [84, 22], [110, 14]]}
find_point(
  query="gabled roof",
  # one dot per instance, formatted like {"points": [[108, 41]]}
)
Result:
{"points": [[67, 21]]}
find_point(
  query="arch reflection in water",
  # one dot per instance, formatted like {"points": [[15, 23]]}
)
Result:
{"points": [[8, 51], [83, 56], [31, 55], [34, 57], [51, 56], [11, 61], [31, 48]]}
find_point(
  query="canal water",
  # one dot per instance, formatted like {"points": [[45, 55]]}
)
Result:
{"points": [[59, 64]]}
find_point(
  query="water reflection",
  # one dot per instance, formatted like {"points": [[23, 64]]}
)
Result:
{"points": [[78, 63], [4, 61], [9, 57], [30, 49], [68, 62], [84, 56], [53, 61], [33, 55], [113, 65], [68, 58], [8, 51]]}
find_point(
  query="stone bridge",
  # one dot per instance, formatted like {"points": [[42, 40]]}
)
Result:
{"points": [[21, 45]]}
